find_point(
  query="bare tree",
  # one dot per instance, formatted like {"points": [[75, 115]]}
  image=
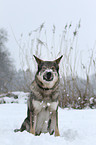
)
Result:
{"points": [[5, 63]]}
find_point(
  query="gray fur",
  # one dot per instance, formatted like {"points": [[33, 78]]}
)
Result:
{"points": [[42, 114]]}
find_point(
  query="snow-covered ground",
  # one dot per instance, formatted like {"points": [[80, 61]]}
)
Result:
{"points": [[77, 127]]}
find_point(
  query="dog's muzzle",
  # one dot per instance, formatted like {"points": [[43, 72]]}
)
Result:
{"points": [[48, 76]]}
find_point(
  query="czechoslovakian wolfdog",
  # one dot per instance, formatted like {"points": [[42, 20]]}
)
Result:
{"points": [[42, 113]]}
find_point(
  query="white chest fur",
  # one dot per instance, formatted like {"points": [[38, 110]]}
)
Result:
{"points": [[41, 105]]}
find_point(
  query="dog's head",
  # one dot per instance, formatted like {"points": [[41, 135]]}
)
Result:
{"points": [[48, 72]]}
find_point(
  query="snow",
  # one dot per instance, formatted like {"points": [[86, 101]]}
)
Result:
{"points": [[20, 97], [48, 104], [77, 127]]}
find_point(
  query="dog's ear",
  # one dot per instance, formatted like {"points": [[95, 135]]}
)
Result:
{"points": [[38, 60], [58, 59]]}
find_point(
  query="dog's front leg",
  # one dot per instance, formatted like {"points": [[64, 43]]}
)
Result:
{"points": [[54, 123], [32, 122]]}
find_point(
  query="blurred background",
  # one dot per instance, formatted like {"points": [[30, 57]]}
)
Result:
{"points": [[49, 29]]}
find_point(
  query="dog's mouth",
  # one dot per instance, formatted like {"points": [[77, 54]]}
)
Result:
{"points": [[48, 76]]}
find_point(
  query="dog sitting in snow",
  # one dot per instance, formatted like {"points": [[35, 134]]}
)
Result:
{"points": [[42, 113]]}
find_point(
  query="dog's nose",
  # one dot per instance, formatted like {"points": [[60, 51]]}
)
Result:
{"points": [[48, 76]]}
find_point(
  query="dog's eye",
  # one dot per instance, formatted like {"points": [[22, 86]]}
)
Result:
{"points": [[53, 68], [43, 67]]}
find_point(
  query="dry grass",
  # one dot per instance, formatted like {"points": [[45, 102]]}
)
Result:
{"points": [[75, 92]]}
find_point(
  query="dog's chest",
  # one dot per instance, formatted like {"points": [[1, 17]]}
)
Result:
{"points": [[38, 106]]}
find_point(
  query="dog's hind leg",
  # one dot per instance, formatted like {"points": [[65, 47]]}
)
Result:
{"points": [[16, 130], [25, 126]]}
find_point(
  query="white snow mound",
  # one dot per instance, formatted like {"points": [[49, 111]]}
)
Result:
{"points": [[77, 127]]}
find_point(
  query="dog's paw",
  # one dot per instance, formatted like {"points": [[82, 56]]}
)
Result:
{"points": [[38, 133], [51, 131], [57, 132], [16, 130]]}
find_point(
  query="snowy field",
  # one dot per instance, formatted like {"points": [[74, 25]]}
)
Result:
{"points": [[77, 127]]}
